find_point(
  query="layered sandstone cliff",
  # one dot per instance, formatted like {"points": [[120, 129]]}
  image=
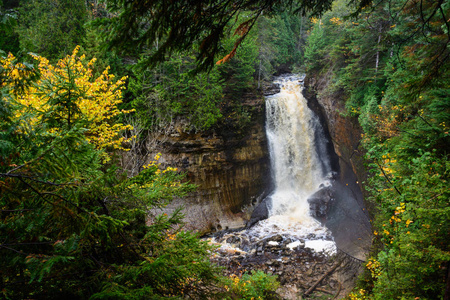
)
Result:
{"points": [[344, 131], [230, 167]]}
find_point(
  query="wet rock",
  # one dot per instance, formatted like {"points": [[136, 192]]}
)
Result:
{"points": [[301, 268], [261, 212], [233, 240], [287, 241], [285, 252], [276, 263], [276, 238], [311, 236], [260, 248], [245, 244], [320, 203], [285, 260], [271, 89]]}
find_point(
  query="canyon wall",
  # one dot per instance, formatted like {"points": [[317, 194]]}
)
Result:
{"points": [[348, 217], [230, 167], [344, 131]]}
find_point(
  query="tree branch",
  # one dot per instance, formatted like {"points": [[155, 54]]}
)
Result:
{"points": [[387, 178], [321, 278]]}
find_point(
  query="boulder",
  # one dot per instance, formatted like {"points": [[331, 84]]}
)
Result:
{"points": [[261, 212], [233, 240], [320, 203]]}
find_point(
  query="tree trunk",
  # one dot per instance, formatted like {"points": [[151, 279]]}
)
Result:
{"points": [[259, 74], [447, 288], [378, 51], [321, 278]]}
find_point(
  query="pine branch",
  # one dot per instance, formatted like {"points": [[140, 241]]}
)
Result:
{"points": [[41, 194], [31, 161], [12, 249], [33, 179]]}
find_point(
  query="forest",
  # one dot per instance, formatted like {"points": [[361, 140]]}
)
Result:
{"points": [[84, 82]]}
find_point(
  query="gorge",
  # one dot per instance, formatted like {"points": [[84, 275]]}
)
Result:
{"points": [[166, 150], [306, 197], [233, 173]]}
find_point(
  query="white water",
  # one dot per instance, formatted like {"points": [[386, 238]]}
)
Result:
{"points": [[297, 169]]}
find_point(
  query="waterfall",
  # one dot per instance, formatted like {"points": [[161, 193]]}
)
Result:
{"points": [[300, 167], [297, 169], [281, 231]]}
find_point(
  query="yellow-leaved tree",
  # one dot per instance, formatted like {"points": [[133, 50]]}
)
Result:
{"points": [[67, 94], [71, 225]]}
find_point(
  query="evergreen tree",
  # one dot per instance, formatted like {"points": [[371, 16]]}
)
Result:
{"points": [[71, 225], [179, 25], [391, 64], [52, 28]]}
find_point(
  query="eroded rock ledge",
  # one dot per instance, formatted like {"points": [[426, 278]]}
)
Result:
{"points": [[231, 170]]}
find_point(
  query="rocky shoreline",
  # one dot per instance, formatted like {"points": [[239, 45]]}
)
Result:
{"points": [[301, 271]]}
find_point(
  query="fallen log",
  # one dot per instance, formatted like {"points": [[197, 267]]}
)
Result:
{"points": [[321, 278], [339, 290], [324, 291]]}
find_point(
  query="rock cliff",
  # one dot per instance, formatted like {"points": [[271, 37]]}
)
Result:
{"points": [[347, 217], [344, 131], [231, 170]]}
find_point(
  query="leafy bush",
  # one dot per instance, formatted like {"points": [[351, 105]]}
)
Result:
{"points": [[257, 285]]}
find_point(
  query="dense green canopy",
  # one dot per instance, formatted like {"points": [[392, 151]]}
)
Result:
{"points": [[75, 221], [172, 26]]}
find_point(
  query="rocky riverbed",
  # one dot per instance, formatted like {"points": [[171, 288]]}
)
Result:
{"points": [[302, 271]]}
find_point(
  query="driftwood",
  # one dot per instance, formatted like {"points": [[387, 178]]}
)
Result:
{"points": [[339, 290], [324, 291], [321, 278]]}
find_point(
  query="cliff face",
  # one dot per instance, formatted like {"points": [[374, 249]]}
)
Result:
{"points": [[344, 131], [230, 169], [347, 216]]}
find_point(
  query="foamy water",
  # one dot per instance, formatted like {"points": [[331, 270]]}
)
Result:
{"points": [[297, 170]]}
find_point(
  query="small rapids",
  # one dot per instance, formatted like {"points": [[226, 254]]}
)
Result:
{"points": [[299, 168]]}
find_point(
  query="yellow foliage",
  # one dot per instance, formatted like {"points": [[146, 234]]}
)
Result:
{"points": [[374, 267], [387, 164], [14, 72], [336, 21], [408, 222], [97, 105], [315, 20], [360, 295]]}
